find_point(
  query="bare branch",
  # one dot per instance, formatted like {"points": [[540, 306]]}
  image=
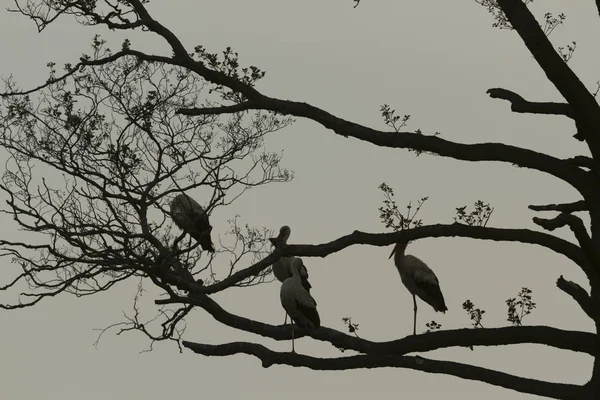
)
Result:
{"points": [[247, 105], [520, 105], [465, 371], [582, 102], [580, 296], [577, 227], [563, 207]]}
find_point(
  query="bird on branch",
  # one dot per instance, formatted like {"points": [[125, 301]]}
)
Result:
{"points": [[191, 218], [419, 279], [282, 268], [297, 302]]}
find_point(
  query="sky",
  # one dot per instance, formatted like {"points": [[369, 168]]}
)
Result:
{"points": [[432, 60]]}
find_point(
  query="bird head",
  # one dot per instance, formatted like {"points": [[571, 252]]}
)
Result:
{"points": [[399, 248], [284, 234]]}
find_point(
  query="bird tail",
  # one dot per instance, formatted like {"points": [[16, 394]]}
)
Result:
{"points": [[204, 239], [432, 295]]}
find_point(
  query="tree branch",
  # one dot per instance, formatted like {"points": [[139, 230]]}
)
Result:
{"points": [[556, 244], [246, 105], [578, 229], [561, 339], [467, 152], [564, 207], [465, 371], [583, 104], [520, 105], [580, 296]]}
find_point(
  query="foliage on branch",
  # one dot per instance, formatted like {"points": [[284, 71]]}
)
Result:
{"points": [[519, 307], [391, 216], [112, 133], [479, 216], [475, 313]]}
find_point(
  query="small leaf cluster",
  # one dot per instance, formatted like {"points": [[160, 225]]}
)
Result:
{"points": [[352, 327], [520, 307], [478, 217], [390, 214], [476, 314], [228, 64], [432, 326]]}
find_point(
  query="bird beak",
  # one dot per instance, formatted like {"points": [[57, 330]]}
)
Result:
{"points": [[393, 251], [273, 241]]}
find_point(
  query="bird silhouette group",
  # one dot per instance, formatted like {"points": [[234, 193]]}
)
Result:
{"points": [[294, 294]]}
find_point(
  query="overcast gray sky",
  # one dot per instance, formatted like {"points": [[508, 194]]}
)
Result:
{"points": [[431, 59]]}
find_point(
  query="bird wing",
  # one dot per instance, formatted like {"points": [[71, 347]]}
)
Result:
{"points": [[420, 271], [304, 298], [310, 313], [428, 285], [303, 274]]}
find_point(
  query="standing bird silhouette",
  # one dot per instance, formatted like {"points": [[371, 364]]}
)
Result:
{"points": [[191, 218], [282, 268], [297, 302], [419, 279]]}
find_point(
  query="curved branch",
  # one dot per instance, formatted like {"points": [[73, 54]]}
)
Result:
{"points": [[83, 62], [578, 229], [563, 207], [582, 102], [554, 243], [580, 296], [465, 371], [407, 140], [558, 338], [520, 105]]}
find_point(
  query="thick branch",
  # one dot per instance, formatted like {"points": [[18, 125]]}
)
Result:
{"points": [[578, 229], [584, 105], [556, 244], [580, 296], [520, 105], [385, 239], [468, 152], [563, 207], [558, 338], [465, 371]]}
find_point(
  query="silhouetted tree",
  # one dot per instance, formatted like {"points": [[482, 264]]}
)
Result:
{"points": [[130, 130]]}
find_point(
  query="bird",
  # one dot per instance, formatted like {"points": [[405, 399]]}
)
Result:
{"points": [[297, 302], [191, 218], [282, 268], [419, 279]]}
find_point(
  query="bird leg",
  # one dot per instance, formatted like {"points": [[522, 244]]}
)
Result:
{"points": [[415, 318], [285, 321], [293, 326]]}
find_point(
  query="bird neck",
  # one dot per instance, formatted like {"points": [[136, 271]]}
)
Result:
{"points": [[296, 273]]}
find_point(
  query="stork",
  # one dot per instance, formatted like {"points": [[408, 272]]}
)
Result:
{"points": [[191, 218], [419, 279], [297, 302], [282, 268]]}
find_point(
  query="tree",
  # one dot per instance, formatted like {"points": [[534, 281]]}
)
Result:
{"points": [[128, 130]]}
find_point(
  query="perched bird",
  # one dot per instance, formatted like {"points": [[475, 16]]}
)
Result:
{"points": [[419, 279], [282, 268], [191, 218], [297, 302]]}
